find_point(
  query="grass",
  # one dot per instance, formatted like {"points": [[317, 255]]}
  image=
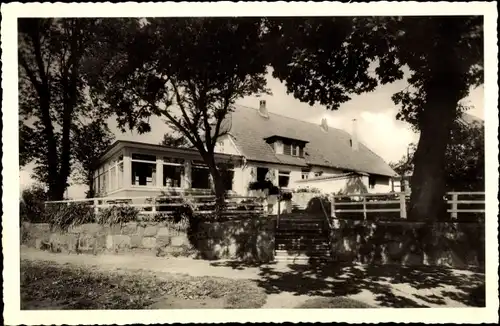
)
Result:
{"points": [[48, 286], [337, 302]]}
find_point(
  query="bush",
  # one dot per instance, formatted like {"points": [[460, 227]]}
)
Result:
{"points": [[260, 185], [118, 214], [66, 215], [32, 204], [286, 196], [312, 190]]}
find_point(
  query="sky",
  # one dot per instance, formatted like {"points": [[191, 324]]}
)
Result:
{"points": [[374, 112]]}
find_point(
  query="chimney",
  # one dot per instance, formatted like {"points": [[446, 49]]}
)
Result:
{"points": [[262, 109], [324, 125], [354, 136]]}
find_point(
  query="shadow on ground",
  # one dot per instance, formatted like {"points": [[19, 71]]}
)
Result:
{"points": [[390, 286]]}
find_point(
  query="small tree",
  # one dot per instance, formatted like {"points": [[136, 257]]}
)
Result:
{"points": [[90, 141], [189, 71], [32, 204]]}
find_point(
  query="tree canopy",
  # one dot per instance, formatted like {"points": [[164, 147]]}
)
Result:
{"points": [[90, 141], [189, 71], [323, 60], [53, 91]]}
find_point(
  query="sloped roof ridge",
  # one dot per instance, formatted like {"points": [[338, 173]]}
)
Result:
{"points": [[291, 118]]}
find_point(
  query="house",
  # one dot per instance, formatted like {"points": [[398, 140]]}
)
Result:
{"points": [[256, 145], [401, 183]]}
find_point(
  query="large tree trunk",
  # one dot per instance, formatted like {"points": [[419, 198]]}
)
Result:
{"points": [[428, 183], [444, 86], [219, 187]]}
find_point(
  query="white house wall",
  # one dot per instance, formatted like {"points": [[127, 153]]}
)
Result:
{"points": [[226, 145], [382, 185]]}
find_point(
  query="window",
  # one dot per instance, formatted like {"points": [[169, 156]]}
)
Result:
{"points": [[227, 174], [143, 170], [112, 178], [173, 169], [109, 176], [220, 146], [103, 183], [143, 157], [283, 178], [120, 175], [305, 174], [295, 150], [287, 149], [261, 173], [200, 176], [371, 181], [318, 174], [278, 147], [143, 174]]}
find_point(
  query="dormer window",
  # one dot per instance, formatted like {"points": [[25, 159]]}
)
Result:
{"points": [[278, 147], [287, 146]]}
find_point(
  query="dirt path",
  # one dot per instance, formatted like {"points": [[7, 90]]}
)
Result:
{"points": [[192, 267], [289, 286]]}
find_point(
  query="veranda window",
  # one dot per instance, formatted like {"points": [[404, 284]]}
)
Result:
{"points": [[227, 174], [120, 175], [200, 175], [143, 170], [173, 170]]}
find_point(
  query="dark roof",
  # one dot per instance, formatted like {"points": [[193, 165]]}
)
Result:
{"points": [[330, 148]]}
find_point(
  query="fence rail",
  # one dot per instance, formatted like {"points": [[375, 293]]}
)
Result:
{"points": [[363, 200], [150, 204]]}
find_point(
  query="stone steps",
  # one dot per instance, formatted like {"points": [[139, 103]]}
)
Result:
{"points": [[301, 239], [302, 247], [301, 256]]}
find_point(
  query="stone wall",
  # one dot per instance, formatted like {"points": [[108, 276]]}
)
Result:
{"points": [[245, 239], [248, 239], [456, 245], [95, 238]]}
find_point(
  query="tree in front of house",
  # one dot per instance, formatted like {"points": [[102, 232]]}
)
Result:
{"points": [[323, 60], [189, 71], [53, 57], [464, 157], [90, 141], [173, 140]]}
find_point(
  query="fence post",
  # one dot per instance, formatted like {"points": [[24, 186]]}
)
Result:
{"points": [[153, 209], [96, 208], [454, 206], [402, 205], [364, 207], [332, 204]]}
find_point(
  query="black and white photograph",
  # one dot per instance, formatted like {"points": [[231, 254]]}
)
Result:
{"points": [[250, 163]]}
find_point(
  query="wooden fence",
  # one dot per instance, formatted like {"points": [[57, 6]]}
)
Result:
{"points": [[401, 200], [201, 204]]}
